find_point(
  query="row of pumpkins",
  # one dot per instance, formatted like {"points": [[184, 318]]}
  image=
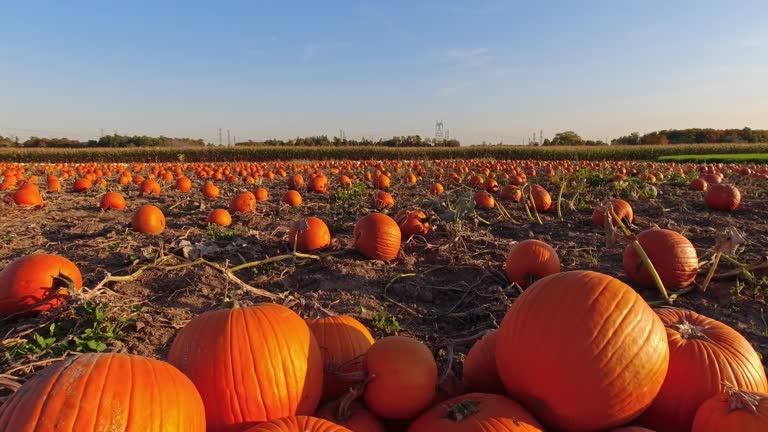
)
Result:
{"points": [[577, 351]]}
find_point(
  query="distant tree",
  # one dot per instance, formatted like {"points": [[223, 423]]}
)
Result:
{"points": [[547, 142], [567, 138], [655, 138], [7, 141], [631, 139]]}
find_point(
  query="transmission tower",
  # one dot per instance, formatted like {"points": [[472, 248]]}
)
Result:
{"points": [[439, 132]]}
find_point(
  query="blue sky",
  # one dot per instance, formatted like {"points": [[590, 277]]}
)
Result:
{"points": [[491, 70]]}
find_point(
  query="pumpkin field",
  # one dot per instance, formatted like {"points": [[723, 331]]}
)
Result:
{"points": [[395, 295]]}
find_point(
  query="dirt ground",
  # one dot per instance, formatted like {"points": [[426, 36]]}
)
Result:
{"points": [[445, 289]]}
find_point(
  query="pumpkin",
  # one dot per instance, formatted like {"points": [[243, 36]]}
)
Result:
{"points": [[480, 373], [82, 185], [210, 190], [476, 412], [399, 365], [703, 355], [105, 392], [244, 202], [722, 197], [580, 330], [377, 236], [112, 200], [542, 201], [318, 183], [148, 220], [530, 260], [353, 416], [622, 209], [510, 193], [484, 200], [219, 217], [698, 185], [344, 181], [491, 186], [309, 234], [672, 255], [261, 194], [296, 182], [149, 187], [183, 184], [272, 343], [298, 424], [412, 223], [381, 182], [711, 178], [54, 184], [28, 196], [383, 200], [292, 198], [37, 282], [733, 410], [436, 189]]}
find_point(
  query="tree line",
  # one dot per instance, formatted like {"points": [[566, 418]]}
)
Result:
{"points": [[108, 141], [695, 136], [324, 141]]}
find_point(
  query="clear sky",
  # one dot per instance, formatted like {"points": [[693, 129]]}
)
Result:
{"points": [[491, 70]]}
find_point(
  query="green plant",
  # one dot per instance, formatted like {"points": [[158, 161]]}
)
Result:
{"points": [[219, 232], [385, 322], [353, 194], [103, 328]]}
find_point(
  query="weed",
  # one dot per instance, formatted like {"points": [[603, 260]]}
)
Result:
{"points": [[384, 321], [353, 194], [218, 232]]}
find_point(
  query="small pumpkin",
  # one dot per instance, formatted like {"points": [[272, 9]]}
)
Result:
{"points": [[244, 202], [377, 236], [183, 184], [510, 193], [149, 187], [296, 182], [480, 373], [477, 412], [622, 209], [733, 410], [436, 189], [722, 197], [383, 200], [105, 392], [210, 190], [37, 282], [298, 424], [219, 217], [530, 260], [82, 185], [381, 182], [54, 184], [399, 365], [318, 184], [484, 200], [28, 196], [698, 185], [412, 222], [148, 220], [542, 200], [292, 198], [672, 255], [309, 234], [261, 194], [112, 200], [491, 186]]}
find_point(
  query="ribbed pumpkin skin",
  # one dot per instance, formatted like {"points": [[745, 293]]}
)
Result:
{"points": [[582, 351], [480, 373], [722, 197], [298, 424], [531, 259], [30, 279], [250, 365], [495, 413], [622, 208], [343, 342], [715, 415], [360, 418], [309, 234], [148, 219], [104, 393], [542, 200], [698, 367], [377, 236], [412, 222], [673, 256]]}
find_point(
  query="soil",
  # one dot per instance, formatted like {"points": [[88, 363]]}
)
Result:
{"points": [[448, 286]]}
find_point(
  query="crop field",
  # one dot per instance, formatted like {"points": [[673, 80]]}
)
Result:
{"points": [[723, 158], [503, 275]]}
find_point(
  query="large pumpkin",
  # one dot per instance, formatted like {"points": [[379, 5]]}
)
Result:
{"points": [[673, 256], [37, 282], [722, 197], [244, 202], [402, 375], [148, 219], [298, 424], [412, 223], [343, 342], [28, 196], [622, 209], [530, 260], [582, 351], [105, 392], [251, 364], [704, 355], [542, 200], [112, 200], [476, 412], [734, 410], [309, 234], [377, 236], [480, 373]]}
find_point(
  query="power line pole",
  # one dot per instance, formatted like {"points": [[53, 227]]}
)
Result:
{"points": [[234, 139], [219, 136], [228, 141]]}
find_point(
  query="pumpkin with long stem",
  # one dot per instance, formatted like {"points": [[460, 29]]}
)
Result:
{"points": [[733, 410]]}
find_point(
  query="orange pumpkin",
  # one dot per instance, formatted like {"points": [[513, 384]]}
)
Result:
{"points": [[511, 193], [210, 190], [542, 201], [436, 189], [622, 209], [399, 365], [184, 184], [412, 223], [149, 187], [722, 197], [28, 196], [703, 355], [671, 254], [274, 345], [377, 236], [318, 184], [381, 182], [383, 200], [353, 416], [476, 412], [608, 340], [219, 217], [296, 182], [298, 424], [292, 198], [491, 186], [54, 184], [37, 282], [698, 185], [112, 200], [530, 260], [309, 234], [484, 200], [480, 373], [244, 202], [148, 220], [711, 178], [733, 410], [343, 342], [82, 185], [105, 392], [261, 194]]}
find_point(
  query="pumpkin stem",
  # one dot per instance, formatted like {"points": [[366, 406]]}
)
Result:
{"points": [[344, 412], [463, 409], [742, 399], [63, 285], [560, 198], [711, 272], [690, 331]]}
